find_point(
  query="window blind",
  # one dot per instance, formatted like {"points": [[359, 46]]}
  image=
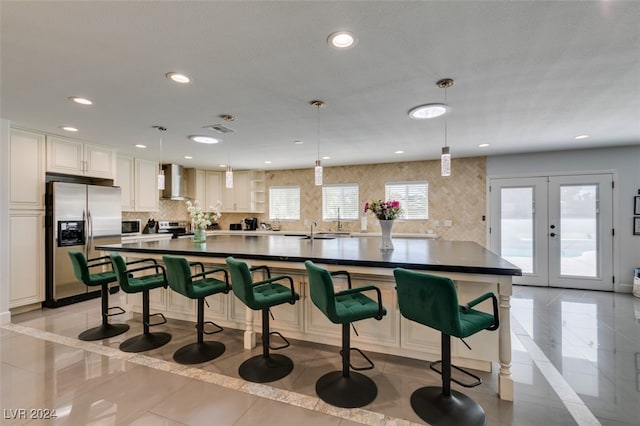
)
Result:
{"points": [[342, 200], [413, 197], [284, 203]]}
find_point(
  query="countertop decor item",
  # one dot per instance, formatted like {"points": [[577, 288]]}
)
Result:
{"points": [[386, 212], [201, 219]]}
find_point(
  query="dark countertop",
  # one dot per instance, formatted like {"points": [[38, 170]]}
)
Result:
{"points": [[433, 255]]}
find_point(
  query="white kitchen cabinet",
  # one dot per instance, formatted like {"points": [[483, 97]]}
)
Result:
{"points": [[125, 179], [77, 158], [257, 191], [146, 192], [26, 257], [26, 170], [213, 192], [138, 184], [238, 198]]}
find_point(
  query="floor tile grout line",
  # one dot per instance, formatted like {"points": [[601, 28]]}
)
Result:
{"points": [[570, 399], [260, 390]]}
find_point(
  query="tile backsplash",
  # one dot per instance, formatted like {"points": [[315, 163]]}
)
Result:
{"points": [[459, 198]]}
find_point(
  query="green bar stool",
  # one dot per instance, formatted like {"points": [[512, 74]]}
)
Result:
{"points": [[129, 283], [262, 295], [344, 388], [81, 270], [182, 281], [433, 301]]}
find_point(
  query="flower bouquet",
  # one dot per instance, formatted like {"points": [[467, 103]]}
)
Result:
{"points": [[384, 210], [201, 219]]}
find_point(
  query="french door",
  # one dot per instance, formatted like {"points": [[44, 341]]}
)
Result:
{"points": [[557, 229]]}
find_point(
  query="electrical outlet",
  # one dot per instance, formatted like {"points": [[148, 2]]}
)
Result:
{"points": [[448, 223]]}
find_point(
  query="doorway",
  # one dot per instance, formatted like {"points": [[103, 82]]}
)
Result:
{"points": [[557, 229]]}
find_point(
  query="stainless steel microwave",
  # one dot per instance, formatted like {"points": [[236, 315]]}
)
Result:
{"points": [[131, 227]]}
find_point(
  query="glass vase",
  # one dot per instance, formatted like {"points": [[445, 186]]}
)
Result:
{"points": [[386, 243], [199, 236]]}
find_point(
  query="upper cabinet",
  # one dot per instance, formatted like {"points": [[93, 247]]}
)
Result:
{"points": [[208, 187], [138, 182], [237, 199], [26, 170], [77, 158]]}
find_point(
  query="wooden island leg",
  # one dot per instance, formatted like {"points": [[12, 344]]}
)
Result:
{"points": [[249, 334], [505, 379]]}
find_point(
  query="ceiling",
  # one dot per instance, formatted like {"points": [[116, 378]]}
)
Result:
{"points": [[529, 76]]}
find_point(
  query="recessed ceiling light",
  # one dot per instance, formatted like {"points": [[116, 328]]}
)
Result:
{"points": [[399, 152], [203, 139], [582, 136], [69, 129], [82, 101], [140, 146], [223, 165], [298, 142], [483, 145], [267, 162], [326, 157], [177, 77], [341, 40], [422, 112], [188, 157]]}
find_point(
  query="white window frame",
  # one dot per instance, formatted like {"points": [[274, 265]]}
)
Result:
{"points": [[275, 212], [409, 211], [347, 213]]}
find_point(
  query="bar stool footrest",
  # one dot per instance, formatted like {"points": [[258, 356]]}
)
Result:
{"points": [[276, 348], [477, 380], [119, 310], [163, 320], [365, 368], [218, 329]]}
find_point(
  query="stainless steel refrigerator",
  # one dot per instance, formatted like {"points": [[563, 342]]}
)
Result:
{"points": [[79, 217]]}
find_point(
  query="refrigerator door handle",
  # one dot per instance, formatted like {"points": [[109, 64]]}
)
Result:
{"points": [[90, 220], [86, 233]]}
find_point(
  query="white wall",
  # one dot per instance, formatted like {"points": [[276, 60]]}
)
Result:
{"points": [[5, 316], [623, 161]]}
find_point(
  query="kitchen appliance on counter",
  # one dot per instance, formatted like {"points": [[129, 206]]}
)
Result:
{"points": [[235, 227], [131, 227], [151, 227], [251, 224], [178, 228], [78, 217]]}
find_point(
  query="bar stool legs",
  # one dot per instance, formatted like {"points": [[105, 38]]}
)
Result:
{"points": [[105, 330], [346, 389], [266, 367], [201, 351], [146, 341], [443, 406]]}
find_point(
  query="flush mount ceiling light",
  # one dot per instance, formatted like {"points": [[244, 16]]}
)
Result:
{"points": [[426, 111], [69, 129], [177, 77], [81, 101], [341, 40], [203, 139]]}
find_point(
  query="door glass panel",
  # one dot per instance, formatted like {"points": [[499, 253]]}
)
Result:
{"points": [[579, 230], [517, 227]]}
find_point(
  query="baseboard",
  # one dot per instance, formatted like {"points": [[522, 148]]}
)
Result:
{"points": [[623, 287]]}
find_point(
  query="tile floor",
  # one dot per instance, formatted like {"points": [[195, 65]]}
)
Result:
{"points": [[576, 360]]}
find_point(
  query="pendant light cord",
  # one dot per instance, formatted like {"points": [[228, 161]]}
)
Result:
{"points": [[318, 130]]}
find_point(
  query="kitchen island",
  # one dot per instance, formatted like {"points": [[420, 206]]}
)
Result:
{"points": [[474, 269]]}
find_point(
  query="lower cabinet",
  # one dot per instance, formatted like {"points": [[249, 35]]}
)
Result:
{"points": [[26, 257]]}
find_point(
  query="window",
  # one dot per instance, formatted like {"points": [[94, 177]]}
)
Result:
{"points": [[413, 197], [340, 202], [284, 203]]}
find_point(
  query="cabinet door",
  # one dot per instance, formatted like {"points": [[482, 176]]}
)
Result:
{"points": [[237, 199], [213, 185], [26, 258], [146, 188], [26, 170], [99, 161], [201, 186], [125, 179], [64, 156]]}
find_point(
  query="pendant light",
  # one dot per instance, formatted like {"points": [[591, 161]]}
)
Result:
{"points": [[318, 168], [445, 157], [228, 176], [160, 171]]}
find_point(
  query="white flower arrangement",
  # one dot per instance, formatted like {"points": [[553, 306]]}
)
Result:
{"points": [[201, 219]]}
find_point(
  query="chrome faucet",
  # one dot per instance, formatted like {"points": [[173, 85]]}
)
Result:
{"points": [[339, 224], [313, 224]]}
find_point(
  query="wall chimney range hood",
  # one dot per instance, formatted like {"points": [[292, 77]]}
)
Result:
{"points": [[175, 184]]}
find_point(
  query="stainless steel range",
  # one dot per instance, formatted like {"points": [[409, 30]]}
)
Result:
{"points": [[178, 228]]}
